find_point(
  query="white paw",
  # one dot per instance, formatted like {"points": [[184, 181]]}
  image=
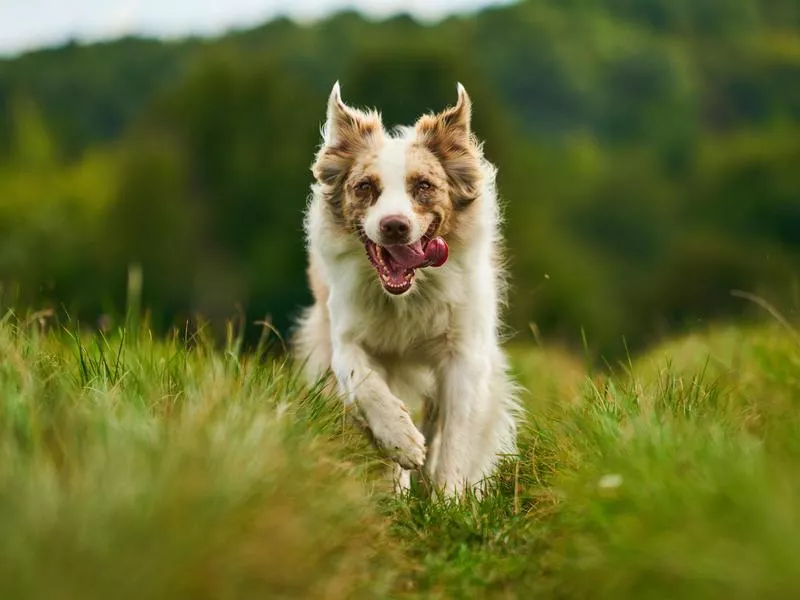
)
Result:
{"points": [[401, 478], [400, 440], [454, 484]]}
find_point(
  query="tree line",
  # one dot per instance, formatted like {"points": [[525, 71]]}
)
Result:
{"points": [[648, 156]]}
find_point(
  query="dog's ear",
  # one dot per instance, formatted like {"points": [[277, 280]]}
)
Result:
{"points": [[344, 123], [449, 136], [346, 131], [453, 122]]}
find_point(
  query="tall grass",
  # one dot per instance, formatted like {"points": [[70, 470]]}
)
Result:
{"points": [[141, 468]]}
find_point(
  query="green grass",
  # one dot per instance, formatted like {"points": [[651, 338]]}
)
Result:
{"points": [[134, 468]]}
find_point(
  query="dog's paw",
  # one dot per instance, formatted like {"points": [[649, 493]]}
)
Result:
{"points": [[401, 479], [401, 441]]}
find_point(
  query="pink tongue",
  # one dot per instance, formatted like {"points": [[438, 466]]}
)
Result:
{"points": [[412, 256], [436, 252]]}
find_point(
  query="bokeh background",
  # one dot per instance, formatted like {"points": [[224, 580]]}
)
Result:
{"points": [[649, 155]]}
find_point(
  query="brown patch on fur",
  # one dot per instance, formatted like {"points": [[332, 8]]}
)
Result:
{"points": [[448, 136], [422, 166], [319, 289], [351, 135], [356, 201]]}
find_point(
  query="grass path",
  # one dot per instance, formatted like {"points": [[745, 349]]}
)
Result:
{"points": [[133, 468]]}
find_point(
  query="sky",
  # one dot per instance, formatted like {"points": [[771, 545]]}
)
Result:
{"points": [[28, 24]]}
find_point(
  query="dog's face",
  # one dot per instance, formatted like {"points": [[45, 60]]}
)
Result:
{"points": [[401, 195]]}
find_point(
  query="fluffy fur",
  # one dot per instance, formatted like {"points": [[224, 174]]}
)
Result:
{"points": [[436, 344]]}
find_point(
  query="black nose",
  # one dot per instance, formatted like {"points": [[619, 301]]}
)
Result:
{"points": [[395, 229]]}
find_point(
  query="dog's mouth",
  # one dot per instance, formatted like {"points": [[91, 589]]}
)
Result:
{"points": [[396, 265]]}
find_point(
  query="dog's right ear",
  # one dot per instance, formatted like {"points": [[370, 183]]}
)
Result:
{"points": [[346, 126], [346, 131]]}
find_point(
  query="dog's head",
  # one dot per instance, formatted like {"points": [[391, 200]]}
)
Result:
{"points": [[400, 194]]}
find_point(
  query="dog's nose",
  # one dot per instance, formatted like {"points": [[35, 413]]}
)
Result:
{"points": [[395, 229]]}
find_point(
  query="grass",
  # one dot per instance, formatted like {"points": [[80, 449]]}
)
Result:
{"points": [[136, 468]]}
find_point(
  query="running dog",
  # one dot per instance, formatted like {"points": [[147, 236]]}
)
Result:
{"points": [[406, 271]]}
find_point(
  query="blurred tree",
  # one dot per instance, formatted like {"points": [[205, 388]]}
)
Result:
{"points": [[218, 176], [32, 147], [647, 153]]}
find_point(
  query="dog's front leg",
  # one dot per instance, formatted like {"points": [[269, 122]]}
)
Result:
{"points": [[464, 402], [386, 416]]}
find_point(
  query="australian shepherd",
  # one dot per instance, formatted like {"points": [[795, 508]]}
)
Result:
{"points": [[405, 269]]}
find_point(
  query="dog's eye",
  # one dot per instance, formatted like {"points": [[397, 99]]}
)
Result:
{"points": [[424, 186], [364, 186]]}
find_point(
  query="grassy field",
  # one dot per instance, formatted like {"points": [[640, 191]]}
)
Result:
{"points": [[134, 468]]}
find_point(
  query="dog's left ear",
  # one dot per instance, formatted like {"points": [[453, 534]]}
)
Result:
{"points": [[457, 118], [449, 136]]}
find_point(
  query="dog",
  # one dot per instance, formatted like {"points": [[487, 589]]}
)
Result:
{"points": [[405, 267]]}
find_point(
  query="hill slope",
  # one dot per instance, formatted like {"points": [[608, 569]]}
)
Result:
{"points": [[647, 155]]}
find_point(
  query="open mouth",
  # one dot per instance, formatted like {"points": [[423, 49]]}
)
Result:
{"points": [[396, 265]]}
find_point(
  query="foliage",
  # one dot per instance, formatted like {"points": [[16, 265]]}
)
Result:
{"points": [[647, 156], [168, 469]]}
